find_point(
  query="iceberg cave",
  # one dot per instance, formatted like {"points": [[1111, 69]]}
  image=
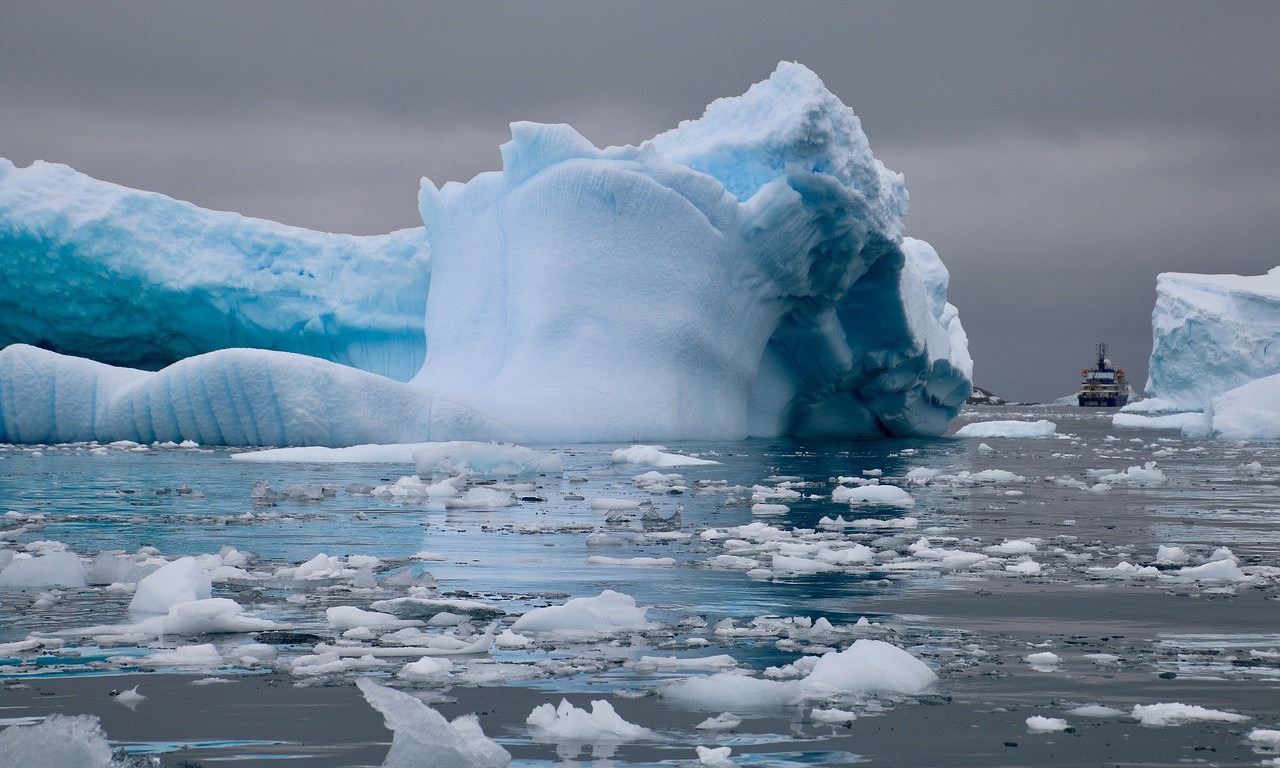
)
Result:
{"points": [[743, 274]]}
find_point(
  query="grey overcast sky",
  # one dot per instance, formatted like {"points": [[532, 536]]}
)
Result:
{"points": [[1058, 154]]}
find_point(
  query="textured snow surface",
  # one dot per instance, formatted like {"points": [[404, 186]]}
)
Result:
{"points": [[742, 274]]}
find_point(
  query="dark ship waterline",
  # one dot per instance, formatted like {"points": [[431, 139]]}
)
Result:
{"points": [[1103, 386]]}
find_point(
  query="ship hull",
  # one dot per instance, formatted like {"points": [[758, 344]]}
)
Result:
{"points": [[1102, 401]]}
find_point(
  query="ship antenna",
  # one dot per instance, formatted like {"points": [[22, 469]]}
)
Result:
{"points": [[1102, 355]]}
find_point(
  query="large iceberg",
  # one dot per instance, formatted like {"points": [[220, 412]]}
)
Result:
{"points": [[136, 278], [742, 274]]}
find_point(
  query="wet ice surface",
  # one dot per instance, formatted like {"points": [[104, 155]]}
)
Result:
{"points": [[1072, 598]]}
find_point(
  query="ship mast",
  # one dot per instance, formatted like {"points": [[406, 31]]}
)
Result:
{"points": [[1102, 356]]}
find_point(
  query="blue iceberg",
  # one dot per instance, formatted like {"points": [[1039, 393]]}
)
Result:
{"points": [[743, 274]]}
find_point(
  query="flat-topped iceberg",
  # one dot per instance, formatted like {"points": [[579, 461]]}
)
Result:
{"points": [[742, 274]]}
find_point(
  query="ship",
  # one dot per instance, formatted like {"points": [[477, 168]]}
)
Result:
{"points": [[1103, 386]]}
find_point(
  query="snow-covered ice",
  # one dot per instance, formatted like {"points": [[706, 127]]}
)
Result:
{"points": [[1008, 428]]}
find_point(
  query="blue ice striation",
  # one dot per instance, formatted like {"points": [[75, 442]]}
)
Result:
{"points": [[744, 274], [139, 279]]}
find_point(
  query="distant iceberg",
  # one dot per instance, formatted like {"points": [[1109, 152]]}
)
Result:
{"points": [[742, 274]]}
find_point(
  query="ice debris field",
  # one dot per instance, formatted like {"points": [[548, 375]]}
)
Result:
{"points": [[743, 274], [746, 603]]}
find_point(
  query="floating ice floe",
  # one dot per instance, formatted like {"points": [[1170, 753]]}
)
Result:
{"points": [[606, 613], [715, 757], [53, 569], [1148, 474], [1041, 724], [1166, 421], [657, 456], [180, 581], [873, 495], [866, 666], [1018, 429], [569, 724], [1178, 714]]}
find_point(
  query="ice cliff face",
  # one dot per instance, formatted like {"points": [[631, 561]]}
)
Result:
{"points": [[1216, 349], [1210, 334], [742, 274], [136, 278]]}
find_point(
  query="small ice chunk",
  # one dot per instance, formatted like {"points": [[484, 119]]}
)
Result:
{"points": [[609, 611], [1024, 568], [424, 670], [1146, 475], [871, 666], [1166, 555], [729, 691], [1045, 661], [52, 569], [1268, 737], [350, 617], [1014, 428], [203, 656], [1041, 724], [1177, 714], [1095, 710], [181, 581], [567, 723], [715, 757], [833, 716], [1012, 547], [656, 456], [422, 736], [882, 495], [766, 510], [130, 698], [724, 721]]}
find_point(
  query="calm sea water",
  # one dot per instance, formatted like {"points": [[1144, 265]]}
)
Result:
{"points": [[1122, 639]]}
